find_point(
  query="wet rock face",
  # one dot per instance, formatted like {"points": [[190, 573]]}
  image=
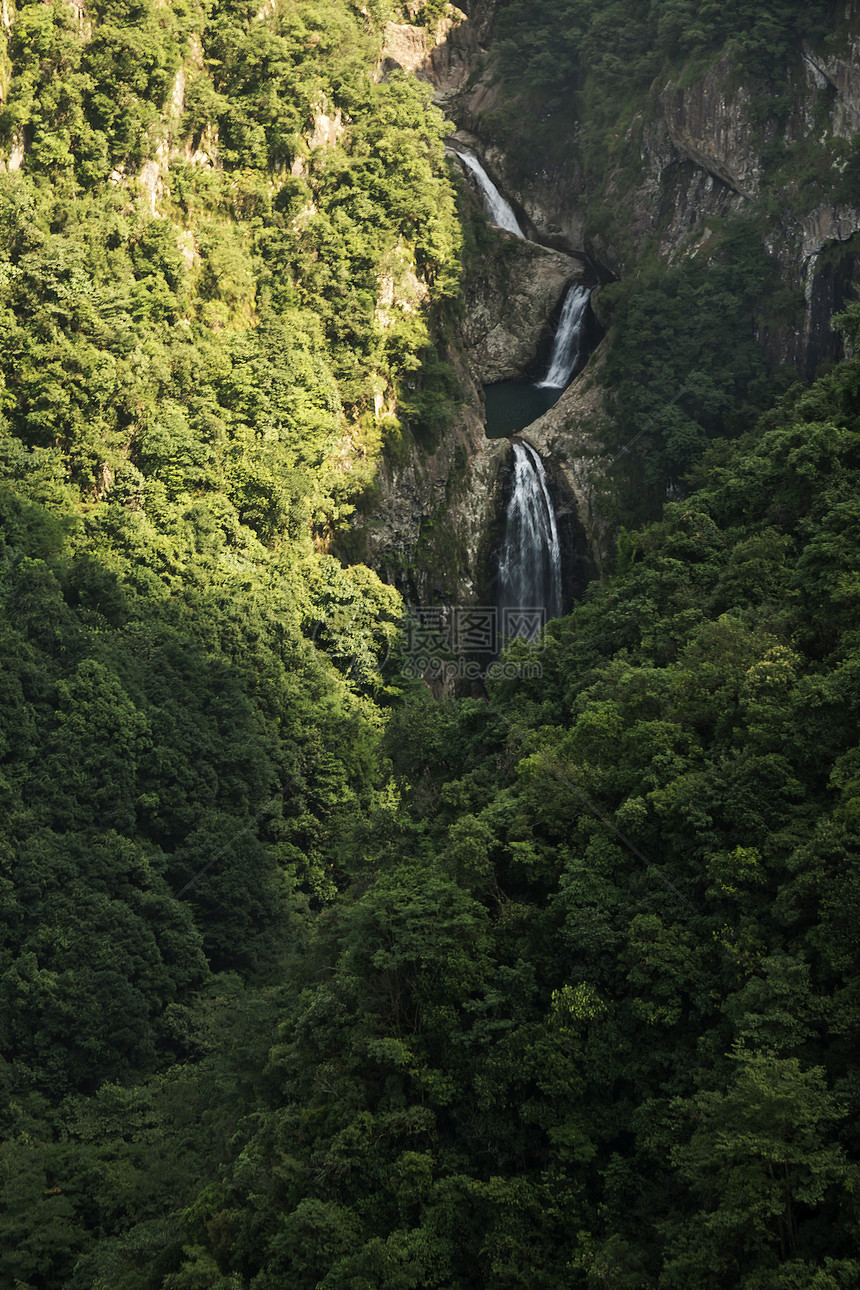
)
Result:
{"points": [[570, 439], [436, 519], [509, 305], [434, 512], [831, 289], [433, 546]]}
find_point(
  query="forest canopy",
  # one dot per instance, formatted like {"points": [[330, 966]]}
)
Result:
{"points": [[308, 978]]}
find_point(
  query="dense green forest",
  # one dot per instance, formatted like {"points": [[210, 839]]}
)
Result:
{"points": [[309, 979], [569, 62]]}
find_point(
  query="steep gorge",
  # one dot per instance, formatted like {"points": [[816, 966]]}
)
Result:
{"points": [[704, 147], [307, 978], [701, 144]]}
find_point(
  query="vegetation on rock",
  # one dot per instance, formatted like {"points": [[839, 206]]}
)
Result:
{"points": [[310, 980]]}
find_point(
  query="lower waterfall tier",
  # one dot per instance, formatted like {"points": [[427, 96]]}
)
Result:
{"points": [[530, 559]]}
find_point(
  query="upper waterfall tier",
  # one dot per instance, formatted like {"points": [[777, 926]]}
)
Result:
{"points": [[499, 210], [568, 348]]}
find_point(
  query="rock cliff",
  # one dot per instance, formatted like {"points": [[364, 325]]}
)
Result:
{"points": [[509, 302], [702, 149], [569, 439], [706, 149], [432, 514]]}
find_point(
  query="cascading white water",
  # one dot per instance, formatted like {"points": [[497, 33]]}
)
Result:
{"points": [[499, 210], [530, 561], [569, 344]]}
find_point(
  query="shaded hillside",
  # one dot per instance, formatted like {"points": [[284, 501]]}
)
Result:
{"points": [[308, 979]]}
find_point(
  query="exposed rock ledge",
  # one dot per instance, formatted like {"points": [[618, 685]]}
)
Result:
{"points": [[714, 129], [510, 301], [443, 56], [435, 511], [569, 438]]}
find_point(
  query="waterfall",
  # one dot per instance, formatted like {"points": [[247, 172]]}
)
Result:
{"points": [[530, 561], [498, 210], [569, 344]]}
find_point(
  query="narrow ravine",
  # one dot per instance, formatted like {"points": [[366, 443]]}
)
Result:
{"points": [[529, 586]]}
